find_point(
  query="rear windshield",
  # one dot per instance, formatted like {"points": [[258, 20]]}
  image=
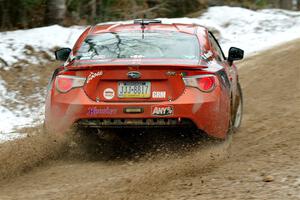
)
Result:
{"points": [[135, 44]]}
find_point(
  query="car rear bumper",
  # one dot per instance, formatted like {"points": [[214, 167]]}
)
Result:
{"points": [[206, 111], [135, 123]]}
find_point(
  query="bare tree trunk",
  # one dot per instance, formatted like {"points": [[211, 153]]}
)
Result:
{"points": [[274, 3], [286, 4], [55, 11], [5, 18], [298, 5], [93, 8], [23, 20], [98, 10]]}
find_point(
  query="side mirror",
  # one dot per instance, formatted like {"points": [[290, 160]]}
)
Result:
{"points": [[62, 54], [235, 54]]}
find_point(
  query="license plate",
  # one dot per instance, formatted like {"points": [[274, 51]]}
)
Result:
{"points": [[134, 89]]}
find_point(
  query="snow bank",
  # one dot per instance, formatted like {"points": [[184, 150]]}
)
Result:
{"points": [[250, 30], [12, 50], [8, 119], [12, 46]]}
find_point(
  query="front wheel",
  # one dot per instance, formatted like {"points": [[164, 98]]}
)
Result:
{"points": [[238, 109]]}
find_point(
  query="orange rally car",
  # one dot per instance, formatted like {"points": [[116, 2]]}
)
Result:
{"points": [[146, 74]]}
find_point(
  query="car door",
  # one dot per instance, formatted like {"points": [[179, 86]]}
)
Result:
{"points": [[221, 60]]}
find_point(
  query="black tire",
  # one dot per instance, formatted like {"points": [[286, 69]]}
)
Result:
{"points": [[237, 109]]}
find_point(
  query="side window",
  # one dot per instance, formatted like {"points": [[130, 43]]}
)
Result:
{"points": [[217, 47]]}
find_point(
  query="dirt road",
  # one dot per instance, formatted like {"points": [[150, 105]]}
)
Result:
{"points": [[262, 162]]}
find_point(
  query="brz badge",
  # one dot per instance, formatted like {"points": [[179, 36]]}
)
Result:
{"points": [[134, 75]]}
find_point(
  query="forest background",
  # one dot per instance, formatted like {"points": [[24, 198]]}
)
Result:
{"points": [[21, 14]]}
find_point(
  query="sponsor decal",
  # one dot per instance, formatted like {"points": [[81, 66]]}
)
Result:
{"points": [[94, 75], [136, 59], [170, 73], [108, 93], [101, 111], [206, 56], [137, 56], [159, 94], [162, 110]]}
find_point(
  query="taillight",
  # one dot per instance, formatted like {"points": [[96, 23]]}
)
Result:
{"points": [[205, 83], [65, 83]]}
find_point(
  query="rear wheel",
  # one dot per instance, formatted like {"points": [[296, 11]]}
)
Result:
{"points": [[237, 109]]}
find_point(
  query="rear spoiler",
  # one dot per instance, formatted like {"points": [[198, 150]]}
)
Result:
{"points": [[78, 65]]}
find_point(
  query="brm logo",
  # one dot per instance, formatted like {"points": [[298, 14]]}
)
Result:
{"points": [[162, 110]]}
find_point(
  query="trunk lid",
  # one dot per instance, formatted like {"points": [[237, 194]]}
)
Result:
{"points": [[128, 83], [117, 85]]}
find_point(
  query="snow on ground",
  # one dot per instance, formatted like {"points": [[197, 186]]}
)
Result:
{"points": [[19, 117], [8, 119], [12, 47], [250, 30], [12, 50]]}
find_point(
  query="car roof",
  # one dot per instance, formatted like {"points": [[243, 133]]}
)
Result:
{"points": [[133, 26]]}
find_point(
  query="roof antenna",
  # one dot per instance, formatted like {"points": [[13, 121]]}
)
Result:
{"points": [[143, 26], [143, 22]]}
